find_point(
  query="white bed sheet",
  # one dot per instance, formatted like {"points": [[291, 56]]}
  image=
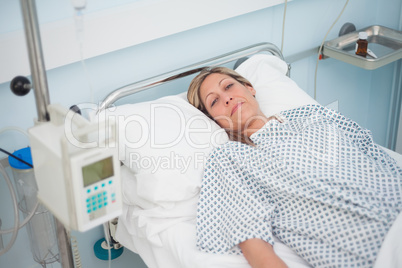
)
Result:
{"points": [[178, 247], [390, 255], [178, 250]]}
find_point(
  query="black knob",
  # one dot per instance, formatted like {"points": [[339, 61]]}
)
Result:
{"points": [[75, 109], [20, 85]]}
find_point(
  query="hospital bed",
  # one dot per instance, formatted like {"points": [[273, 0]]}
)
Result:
{"points": [[163, 144]]}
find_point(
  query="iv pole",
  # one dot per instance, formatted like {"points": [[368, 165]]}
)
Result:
{"points": [[38, 73]]}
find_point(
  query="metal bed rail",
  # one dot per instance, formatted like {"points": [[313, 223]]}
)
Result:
{"points": [[188, 70]]}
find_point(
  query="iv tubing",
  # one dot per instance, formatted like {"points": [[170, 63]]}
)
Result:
{"points": [[27, 219], [108, 246], [322, 44], [13, 156], [79, 31], [14, 129], [283, 24], [76, 252], [16, 214]]}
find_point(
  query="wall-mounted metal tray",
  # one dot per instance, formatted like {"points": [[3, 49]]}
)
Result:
{"points": [[386, 44]]}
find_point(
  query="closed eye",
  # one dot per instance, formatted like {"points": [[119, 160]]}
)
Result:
{"points": [[213, 102], [229, 86]]}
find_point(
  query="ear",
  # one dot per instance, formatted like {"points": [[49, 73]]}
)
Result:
{"points": [[252, 90]]}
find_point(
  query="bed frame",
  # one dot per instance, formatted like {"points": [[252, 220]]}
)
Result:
{"points": [[240, 55]]}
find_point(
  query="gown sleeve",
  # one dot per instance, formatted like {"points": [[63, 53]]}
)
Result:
{"points": [[362, 137], [228, 211], [358, 135]]}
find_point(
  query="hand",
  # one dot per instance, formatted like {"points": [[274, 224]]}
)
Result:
{"points": [[260, 254]]}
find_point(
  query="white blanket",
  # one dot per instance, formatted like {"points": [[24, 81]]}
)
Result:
{"points": [[390, 255]]}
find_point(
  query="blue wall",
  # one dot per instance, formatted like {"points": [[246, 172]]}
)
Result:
{"points": [[363, 95]]}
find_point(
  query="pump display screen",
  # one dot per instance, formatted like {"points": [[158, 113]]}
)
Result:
{"points": [[97, 171]]}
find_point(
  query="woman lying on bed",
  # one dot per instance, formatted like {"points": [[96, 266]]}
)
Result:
{"points": [[310, 176]]}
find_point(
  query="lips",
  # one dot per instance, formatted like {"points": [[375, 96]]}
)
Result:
{"points": [[236, 107]]}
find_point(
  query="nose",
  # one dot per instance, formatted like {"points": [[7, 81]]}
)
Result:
{"points": [[227, 102]]}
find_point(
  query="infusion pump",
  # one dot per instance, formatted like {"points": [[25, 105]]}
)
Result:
{"points": [[77, 169]]}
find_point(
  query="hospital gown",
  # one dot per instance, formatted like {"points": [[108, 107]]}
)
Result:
{"points": [[316, 181]]}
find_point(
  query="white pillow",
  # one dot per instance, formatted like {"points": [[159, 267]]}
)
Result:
{"points": [[165, 143], [275, 91]]}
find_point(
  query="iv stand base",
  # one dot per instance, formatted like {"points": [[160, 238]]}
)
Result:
{"points": [[101, 250]]}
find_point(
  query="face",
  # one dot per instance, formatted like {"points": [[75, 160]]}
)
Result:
{"points": [[231, 104]]}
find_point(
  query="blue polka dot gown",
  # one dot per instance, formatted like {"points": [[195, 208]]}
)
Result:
{"points": [[316, 181]]}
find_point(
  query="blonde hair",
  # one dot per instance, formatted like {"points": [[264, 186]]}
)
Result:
{"points": [[193, 96]]}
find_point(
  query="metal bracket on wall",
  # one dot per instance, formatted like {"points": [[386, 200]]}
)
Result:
{"points": [[348, 27]]}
